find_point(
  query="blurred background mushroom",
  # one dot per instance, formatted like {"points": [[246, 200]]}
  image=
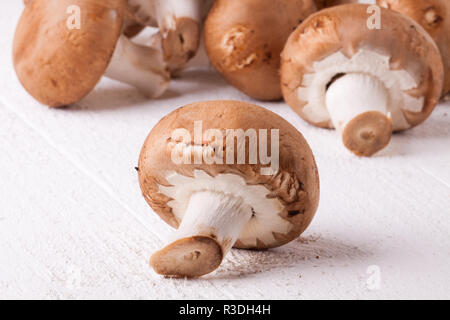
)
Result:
{"points": [[366, 83], [434, 17], [59, 64], [244, 39]]}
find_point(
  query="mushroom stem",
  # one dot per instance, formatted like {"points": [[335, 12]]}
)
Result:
{"points": [[140, 66], [179, 24], [212, 223], [358, 107]]}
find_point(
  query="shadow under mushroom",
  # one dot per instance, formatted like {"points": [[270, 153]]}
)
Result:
{"points": [[305, 252]]}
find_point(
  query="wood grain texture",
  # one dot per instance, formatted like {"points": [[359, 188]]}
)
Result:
{"points": [[74, 225]]}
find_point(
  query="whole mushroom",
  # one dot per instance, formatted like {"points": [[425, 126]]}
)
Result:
{"points": [[434, 17], [219, 190], [59, 64], [244, 39], [338, 73]]}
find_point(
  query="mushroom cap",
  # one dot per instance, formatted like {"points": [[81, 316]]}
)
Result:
{"points": [[434, 17], [244, 39], [295, 187], [58, 65], [330, 3], [401, 46]]}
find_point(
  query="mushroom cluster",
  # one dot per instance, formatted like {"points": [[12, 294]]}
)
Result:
{"points": [[227, 173], [59, 58], [366, 83], [224, 193]]}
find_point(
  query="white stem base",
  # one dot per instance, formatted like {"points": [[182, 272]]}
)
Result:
{"points": [[140, 66], [211, 225], [358, 107], [217, 215]]}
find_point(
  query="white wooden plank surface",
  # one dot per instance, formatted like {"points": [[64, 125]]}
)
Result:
{"points": [[74, 225]]}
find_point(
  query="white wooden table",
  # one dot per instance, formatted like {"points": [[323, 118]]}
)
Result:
{"points": [[74, 225]]}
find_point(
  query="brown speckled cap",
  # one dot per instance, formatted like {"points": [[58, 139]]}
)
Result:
{"points": [[244, 39], [59, 66]]}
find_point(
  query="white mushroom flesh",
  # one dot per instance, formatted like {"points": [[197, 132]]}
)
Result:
{"points": [[364, 62], [142, 67], [255, 216], [216, 214]]}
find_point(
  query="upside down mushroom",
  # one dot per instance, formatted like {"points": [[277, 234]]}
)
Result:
{"points": [[244, 39], [59, 64], [366, 83], [216, 189], [434, 16]]}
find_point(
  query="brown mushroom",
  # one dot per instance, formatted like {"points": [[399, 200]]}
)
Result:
{"points": [[58, 64], [434, 16], [321, 4], [219, 190], [338, 73], [179, 23], [244, 39]]}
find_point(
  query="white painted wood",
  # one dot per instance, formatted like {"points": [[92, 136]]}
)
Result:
{"points": [[74, 225]]}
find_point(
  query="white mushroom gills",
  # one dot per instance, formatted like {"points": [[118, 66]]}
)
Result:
{"points": [[364, 62], [262, 225], [217, 215], [142, 67], [215, 212], [354, 94]]}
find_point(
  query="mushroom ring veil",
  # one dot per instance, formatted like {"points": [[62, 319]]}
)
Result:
{"points": [[226, 174], [62, 48], [367, 83]]}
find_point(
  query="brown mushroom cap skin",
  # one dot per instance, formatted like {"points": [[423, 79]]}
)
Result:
{"points": [[434, 17], [321, 4], [244, 39], [344, 28], [59, 66], [296, 184]]}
